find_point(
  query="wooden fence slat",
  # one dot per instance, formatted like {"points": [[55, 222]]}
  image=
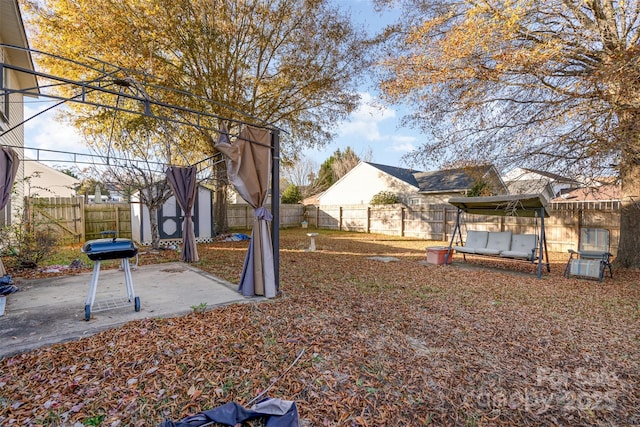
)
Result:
{"points": [[436, 222], [63, 214], [82, 222]]}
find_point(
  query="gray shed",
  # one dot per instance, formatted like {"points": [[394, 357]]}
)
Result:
{"points": [[170, 218]]}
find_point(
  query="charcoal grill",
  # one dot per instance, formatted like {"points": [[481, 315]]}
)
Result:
{"points": [[109, 249]]}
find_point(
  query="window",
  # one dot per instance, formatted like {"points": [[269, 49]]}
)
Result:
{"points": [[415, 201]]}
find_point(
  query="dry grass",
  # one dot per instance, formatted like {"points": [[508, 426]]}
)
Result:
{"points": [[385, 344]]}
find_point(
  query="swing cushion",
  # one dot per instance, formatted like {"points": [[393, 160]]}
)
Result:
{"points": [[497, 242], [522, 246], [475, 240]]}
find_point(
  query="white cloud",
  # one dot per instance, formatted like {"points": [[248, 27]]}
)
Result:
{"points": [[376, 126], [364, 123], [400, 147], [48, 132], [403, 143]]}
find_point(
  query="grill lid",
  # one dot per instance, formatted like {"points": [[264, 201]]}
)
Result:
{"points": [[104, 249]]}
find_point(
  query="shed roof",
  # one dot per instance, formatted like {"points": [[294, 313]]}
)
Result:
{"points": [[523, 205]]}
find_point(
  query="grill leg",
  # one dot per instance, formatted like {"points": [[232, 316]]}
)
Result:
{"points": [[91, 295], [93, 286], [128, 280]]}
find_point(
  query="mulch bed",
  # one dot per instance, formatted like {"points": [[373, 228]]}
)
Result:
{"points": [[382, 343]]}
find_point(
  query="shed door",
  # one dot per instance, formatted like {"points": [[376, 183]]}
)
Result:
{"points": [[170, 217]]}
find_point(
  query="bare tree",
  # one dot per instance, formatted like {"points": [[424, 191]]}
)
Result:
{"points": [[137, 161], [300, 172]]}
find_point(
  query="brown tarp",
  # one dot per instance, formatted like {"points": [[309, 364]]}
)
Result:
{"points": [[9, 162], [182, 181], [248, 168]]}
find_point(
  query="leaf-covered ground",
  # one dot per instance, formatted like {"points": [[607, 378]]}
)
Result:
{"points": [[384, 344]]}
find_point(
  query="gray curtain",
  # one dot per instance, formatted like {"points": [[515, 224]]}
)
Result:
{"points": [[248, 169], [182, 181], [9, 162]]}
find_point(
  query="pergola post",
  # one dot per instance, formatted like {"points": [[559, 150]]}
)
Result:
{"points": [[275, 204]]}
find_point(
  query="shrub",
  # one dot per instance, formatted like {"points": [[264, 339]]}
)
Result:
{"points": [[291, 195], [385, 198], [29, 247]]}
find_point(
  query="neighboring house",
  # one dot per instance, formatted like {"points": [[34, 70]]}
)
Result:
{"points": [[234, 198], [360, 184], [44, 181], [602, 193], [439, 186], [531, 181], [311, 200], [412, 187], [11, 104]]}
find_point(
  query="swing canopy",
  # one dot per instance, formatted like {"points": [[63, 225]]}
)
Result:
{"points": [[520, 205]]}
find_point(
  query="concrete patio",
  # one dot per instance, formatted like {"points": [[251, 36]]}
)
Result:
{"points": [[49, 311]]}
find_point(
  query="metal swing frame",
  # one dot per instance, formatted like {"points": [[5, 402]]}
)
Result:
{"points": [[525, 205]]}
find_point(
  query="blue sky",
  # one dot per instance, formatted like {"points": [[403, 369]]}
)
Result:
{"points": [[372, 128]]}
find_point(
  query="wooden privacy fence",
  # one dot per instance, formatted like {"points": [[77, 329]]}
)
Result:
{"points": [[436, 222], [61, 216], [106, 217], [73, 221], [77, 222], [241, 215]]}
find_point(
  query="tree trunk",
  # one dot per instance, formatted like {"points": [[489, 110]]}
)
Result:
{"points": [[220, 209], [629, 248], [155, 231], [221, 225]]}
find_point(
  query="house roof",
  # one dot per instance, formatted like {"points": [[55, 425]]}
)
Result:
{"points": [[601, 193], [552, 176], [450, 180], [529, 186], [406, 175], [12, 33]]}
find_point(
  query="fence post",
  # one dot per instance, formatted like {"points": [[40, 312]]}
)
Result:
{"points": [[402, 218], [116, 208], [368, 219], [444, 223]]}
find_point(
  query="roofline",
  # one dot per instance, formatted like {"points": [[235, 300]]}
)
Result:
{"points": [[21, 45], [455, 190]]}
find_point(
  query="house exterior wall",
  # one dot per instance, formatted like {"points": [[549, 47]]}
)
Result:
{"points": [[45, 181], [15, 139], [438, 198], [523, 175], [360, 184]]}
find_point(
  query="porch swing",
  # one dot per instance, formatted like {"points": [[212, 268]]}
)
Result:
{"points": [[503, 244]]}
